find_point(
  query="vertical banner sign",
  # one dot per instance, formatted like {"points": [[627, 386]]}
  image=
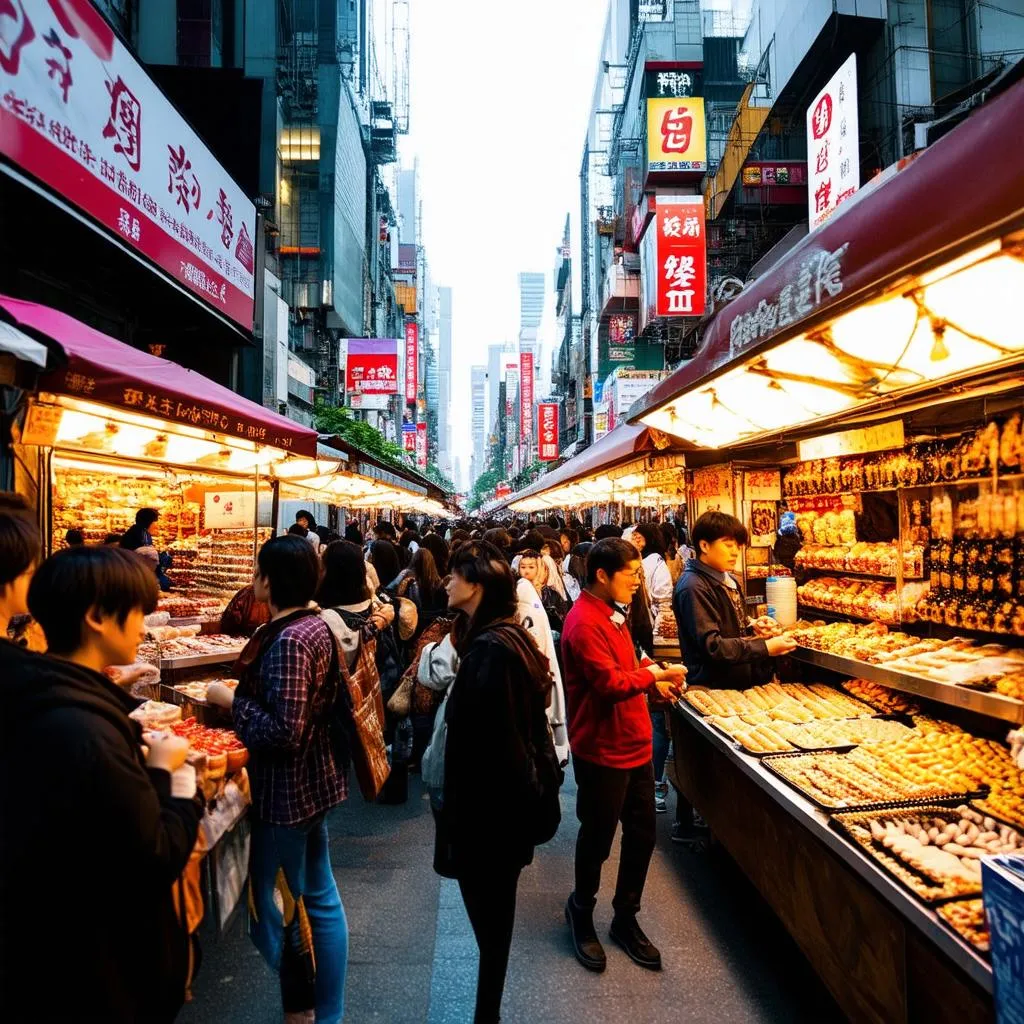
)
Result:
{"points": [[676, 136], [682, 256], [421, 446], [412, 337], [409, 437], [526, 396], [833, 145], [547, 425], [80, 113]]}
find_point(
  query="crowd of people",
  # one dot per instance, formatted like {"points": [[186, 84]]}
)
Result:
{"points": [[500, 653]]}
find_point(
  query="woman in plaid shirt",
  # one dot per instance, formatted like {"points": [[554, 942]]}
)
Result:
{"points": [[288, 681]]}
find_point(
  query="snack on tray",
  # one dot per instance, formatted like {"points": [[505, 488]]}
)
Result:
{"points": [[155, 714], [967, 919], [197, 691]]}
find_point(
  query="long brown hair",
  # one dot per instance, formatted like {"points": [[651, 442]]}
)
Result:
{"points": [[424, 569]]}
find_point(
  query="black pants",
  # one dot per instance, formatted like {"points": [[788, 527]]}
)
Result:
{"points": [[490, 899], [606, 797]]}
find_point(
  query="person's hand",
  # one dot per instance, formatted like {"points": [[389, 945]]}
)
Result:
{"points": [[166, 751], [779, 645], [386, 613], [220, 695], [670, 681]]}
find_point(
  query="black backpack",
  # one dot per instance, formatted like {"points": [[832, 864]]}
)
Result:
{"points": [[545, 780]]}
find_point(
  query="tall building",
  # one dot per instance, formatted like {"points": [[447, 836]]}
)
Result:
{"points": [[478, 404], [444, 369], [495, 371], [531, 310]]}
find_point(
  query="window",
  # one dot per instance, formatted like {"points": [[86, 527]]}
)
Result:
{"points": [[300, 143]]}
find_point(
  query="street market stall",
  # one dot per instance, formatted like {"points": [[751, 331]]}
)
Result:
{"points": [[874, 381]]}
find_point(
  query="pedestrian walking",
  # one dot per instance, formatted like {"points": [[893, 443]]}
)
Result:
{"points": [[501, 776], [288, 684], [610, 733], [112, 934]]}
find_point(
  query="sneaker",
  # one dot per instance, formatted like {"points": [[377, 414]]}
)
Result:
{"points": [[628, 934], [660, 807], [690, 834], [585, 943]]}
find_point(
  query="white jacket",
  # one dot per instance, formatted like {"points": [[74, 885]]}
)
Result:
{"points": [[659, 579], [534, 619], [437, 669]]}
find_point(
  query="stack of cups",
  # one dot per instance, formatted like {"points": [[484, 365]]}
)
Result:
{"points": [[780, 593]]}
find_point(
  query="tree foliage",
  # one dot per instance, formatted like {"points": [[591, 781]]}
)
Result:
{"points": [[330, 419]]}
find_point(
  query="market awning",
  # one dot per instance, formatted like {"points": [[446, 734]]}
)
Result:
{"points": [[101, 369], [914, 283], [21, 346]]}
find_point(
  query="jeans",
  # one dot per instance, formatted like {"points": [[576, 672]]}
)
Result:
{"points": [[661, 743], [303, 852], [490, 899], [605, 797]]}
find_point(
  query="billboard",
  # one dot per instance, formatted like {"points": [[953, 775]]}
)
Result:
{"points": [[372, 366], [526, 396], [833, 145], [676, 136], [412, 339], [547, 427], [682, 256], [79, 113], [421, 446], [409, 437]]}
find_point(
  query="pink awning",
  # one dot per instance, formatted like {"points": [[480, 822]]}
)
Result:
{"points": [[100, 369]]}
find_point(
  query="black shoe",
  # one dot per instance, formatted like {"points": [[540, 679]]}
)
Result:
{"points": [[585, 943], [628, 934], [691, 835]]}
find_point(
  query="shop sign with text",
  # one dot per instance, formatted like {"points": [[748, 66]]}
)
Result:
{"points": [[547, 427], [78, 112], [372, 366], [409, 437], [421, 446], [412, 335], [621, 329], [676, 136], [682, 256], [526, 396], [833, 145]]}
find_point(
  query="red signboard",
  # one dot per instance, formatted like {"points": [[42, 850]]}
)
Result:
{"points": [[547, 426], [526, 396], [682, 256], [79, 113], [372, 366], [409, 437], [421, 446], [503, 490], [412, 337]]}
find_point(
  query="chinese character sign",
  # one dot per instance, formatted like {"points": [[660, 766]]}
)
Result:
{"points": [[547, 428], [409, 437], [833, 146], [372, 366], [526, 396], [412, 336], [682, 256], [79, 113], [421, 446], [621, 329], [676, 136]]}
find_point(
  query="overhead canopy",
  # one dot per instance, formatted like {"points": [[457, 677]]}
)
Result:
{"points": [[913, 283], [101, 369], [21, 346]]}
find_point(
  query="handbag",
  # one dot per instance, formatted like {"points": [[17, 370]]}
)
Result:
{"points": [[357, 719], [401, 700]]}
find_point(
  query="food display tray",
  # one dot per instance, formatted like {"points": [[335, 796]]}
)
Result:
{"points": [[974, 801], [736, 743], [198, 660], [980, 950], [200, 710], [907, 876], [771, 760]]}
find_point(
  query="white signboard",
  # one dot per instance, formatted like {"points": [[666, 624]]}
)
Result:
{"points": [[229, 510], [82, 115], [833, 148]]}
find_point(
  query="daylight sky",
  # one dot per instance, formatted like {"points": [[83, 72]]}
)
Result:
{"points": [[500, 98]]}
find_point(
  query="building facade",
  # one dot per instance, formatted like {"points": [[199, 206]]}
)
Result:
{"points": [[478, 404]]}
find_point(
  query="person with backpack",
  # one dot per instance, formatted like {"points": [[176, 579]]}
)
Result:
{"points": [[90, 934], [610, 731], [501, 775], [282, 710]]}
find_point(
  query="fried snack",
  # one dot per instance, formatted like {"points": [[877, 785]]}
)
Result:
{"points": [[967, 919]]}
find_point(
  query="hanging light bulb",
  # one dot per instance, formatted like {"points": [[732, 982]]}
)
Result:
{"points": [[939, 350]]}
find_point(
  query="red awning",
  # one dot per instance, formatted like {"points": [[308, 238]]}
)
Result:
{"points": [[961, 192], [100, 369]]}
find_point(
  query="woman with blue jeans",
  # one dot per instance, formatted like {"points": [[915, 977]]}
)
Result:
{"points": [[288, 681]]}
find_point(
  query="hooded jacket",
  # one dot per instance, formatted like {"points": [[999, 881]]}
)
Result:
{"points": [[718, 648], [90, 845]]}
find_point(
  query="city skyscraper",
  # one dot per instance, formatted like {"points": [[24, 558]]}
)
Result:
{"points": [[531, 309], [444, 369], [478, 402]]}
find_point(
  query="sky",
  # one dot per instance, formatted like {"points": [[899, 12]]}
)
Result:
{"points": [[500, 97]]}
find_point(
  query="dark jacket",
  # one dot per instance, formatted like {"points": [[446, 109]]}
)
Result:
{"points": [[90, 844], [719, 650], [493, 709], [136, 537]]}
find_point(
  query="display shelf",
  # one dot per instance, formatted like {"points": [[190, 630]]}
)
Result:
{"points": [[994, 705], [831, 613], [880, 576], [971, 962], [969, 481], [198, 660]]}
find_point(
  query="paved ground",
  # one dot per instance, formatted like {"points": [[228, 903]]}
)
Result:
{"points": [[413, 958]]}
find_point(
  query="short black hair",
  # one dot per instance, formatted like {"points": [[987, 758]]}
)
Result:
{"points": [[292, 569], [530, 553], [612, 554], [73, 538], [714, 526], [344, 580], [146, 517], [654, 538], [606, 531], [304, 514], [297, 530], [112, 538], [20, 543], [72, 582]]}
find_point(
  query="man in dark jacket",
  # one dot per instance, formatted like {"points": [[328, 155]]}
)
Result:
{"points": [[139, 536], [94, 832], [719, 649]]}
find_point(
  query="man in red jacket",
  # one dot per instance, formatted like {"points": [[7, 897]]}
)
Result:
{"points": [[610, 735]]}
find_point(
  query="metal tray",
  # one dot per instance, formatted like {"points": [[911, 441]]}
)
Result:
{"points": [[739, 746], [198, 660], [1016, 825], [880, 805]]}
